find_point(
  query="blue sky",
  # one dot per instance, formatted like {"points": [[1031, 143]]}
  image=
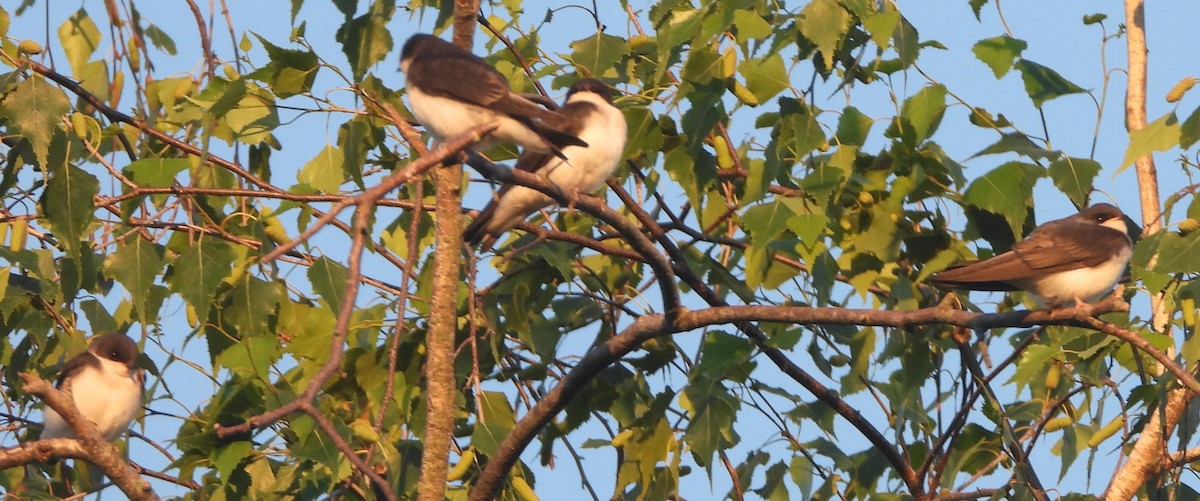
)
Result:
{"points": [[1056, 36]]}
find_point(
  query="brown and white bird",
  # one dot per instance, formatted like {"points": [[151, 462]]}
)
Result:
{"points": [[106, 385], [451, 90], [590, 116], [1065, 262]]}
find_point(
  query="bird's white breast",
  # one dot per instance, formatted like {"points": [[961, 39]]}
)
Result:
{"points": [[445, 118], [589, 166], [1086, 284], [109, 396], [584, 170]]}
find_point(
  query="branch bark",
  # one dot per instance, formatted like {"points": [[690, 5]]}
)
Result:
{"points": [[655, 325], [1148, 454], [439, 338]]}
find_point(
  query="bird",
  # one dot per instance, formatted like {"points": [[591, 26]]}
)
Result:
{"points": [[106, 385], [451, 90], [1065, 262], [592, 117]]}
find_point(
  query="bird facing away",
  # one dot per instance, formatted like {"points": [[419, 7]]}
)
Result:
{"points": [[1063, 263], [105, 384], [451, 90], [590, 116]]}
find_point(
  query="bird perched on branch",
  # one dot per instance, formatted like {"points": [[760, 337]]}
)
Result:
{"points": [[1063, 263], [105, 384], [590, 116], [451, 90]]}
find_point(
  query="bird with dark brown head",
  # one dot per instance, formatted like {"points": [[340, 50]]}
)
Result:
{"points": [[451, 90], [1069, 261]]}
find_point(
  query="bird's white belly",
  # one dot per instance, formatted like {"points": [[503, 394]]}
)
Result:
{"points": [[584, 171], [108, 399], [446, 118], [1086, 284]]}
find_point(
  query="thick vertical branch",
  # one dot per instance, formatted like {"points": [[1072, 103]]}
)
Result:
{"points": [[439, 364], [1135, 111], [1148, 455], [1146, 458], [1135, 119]]}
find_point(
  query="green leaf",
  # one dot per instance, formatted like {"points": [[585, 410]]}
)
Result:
{"points": [[750, 25], [922, 113], [156, 172], [597, 54], [67, 201], [252, 355], [231, 95], [826, 23], [765, 77], [229, 456], [881, 24], [1031, 368], [1179, 253], [1043, 84], [703, 65], [799, 131], [496, 419], [1020, 144], [93, 77], [292, 71], [808, 227], [136, 265], [680, 26], [324, 172], [725, 356], [35, 108], [1074, 177], [999, 53], [80, 38], [249, 304], [713, 411], [254, 117], [974, 450], [199, 270], [1159, 135], [853, 127], [1189, 133], [329, 280], [160, 39], [765, 222], [977, 7], [1005, 191], [366, 39]]}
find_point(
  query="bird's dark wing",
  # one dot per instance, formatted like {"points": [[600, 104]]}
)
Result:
{"points": [[462, 77], [476, 231], [1055, 247], [986, 275], [77, 364], [1068, 245]]}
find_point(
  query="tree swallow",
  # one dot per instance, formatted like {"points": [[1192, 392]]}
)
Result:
{"points": [[590, 116], [451, 90], [105, 384], [1063, 263]]}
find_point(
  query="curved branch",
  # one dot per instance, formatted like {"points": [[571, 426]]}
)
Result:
{"points": [[659, 264], [656, 325]]}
